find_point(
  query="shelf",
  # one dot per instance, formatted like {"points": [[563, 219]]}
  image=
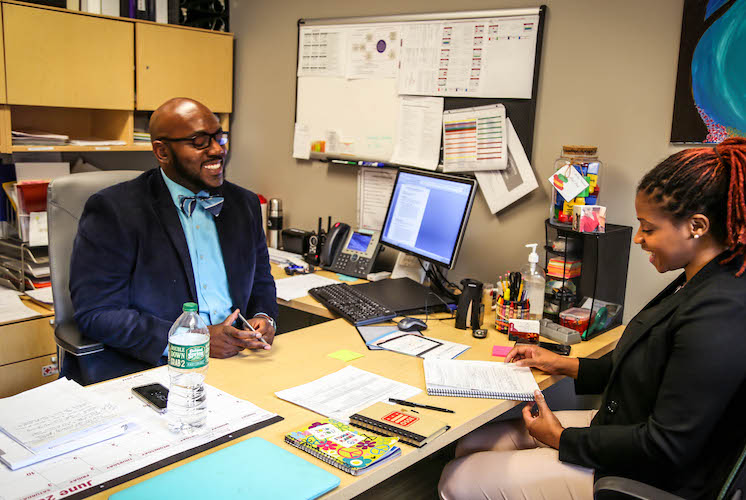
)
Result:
{"points": [[64, 149]]}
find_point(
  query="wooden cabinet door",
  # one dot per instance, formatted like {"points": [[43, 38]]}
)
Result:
{"points": [[182, 62], [3, 99], [68, 60]]}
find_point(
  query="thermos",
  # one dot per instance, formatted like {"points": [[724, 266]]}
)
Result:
{"points": [[274, 222]]}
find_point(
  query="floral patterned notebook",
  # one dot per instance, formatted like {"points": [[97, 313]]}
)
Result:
{"points": [[342, 446]]}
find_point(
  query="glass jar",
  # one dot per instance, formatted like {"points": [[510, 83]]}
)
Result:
{"points": [[585, 160]]}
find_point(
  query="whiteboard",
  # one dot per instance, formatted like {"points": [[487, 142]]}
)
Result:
{"points": [[352, 73]]}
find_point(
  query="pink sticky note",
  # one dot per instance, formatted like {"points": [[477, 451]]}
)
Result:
{"points": [[501, 350]]}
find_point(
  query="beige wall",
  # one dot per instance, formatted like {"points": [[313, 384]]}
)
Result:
{"points": [[607, 78]]}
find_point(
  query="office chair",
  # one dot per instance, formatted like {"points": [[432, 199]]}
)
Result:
{"points": [[66, 197], [621, 488]]}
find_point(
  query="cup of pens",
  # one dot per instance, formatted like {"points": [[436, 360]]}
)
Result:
{"points": [[512, 302]]}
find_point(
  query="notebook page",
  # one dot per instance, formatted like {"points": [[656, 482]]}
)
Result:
{"points": [[483, 376]]}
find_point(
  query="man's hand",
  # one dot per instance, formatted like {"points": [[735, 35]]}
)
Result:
{"points": [[264, 330], [543, 359], [544, 426], [227, 341]]}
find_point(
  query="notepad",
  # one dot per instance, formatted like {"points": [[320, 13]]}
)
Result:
{"points": [[254, 468], [409, 426], [479, 379]]}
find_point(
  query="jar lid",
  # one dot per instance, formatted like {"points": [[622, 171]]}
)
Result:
{"points": [[579, 150]]}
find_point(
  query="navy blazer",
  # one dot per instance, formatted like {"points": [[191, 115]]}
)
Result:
{"points": [[674, 389], [130, 271]]}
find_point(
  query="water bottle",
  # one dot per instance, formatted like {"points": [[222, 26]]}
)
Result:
{"points": [[533, 276], [188, 355]]}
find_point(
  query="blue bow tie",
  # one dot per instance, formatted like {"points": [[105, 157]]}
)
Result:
{"points": [[213, 204]]}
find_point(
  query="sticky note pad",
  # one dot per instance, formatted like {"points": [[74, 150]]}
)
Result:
{"points": [[344, 277], [501, 350], [345, 355]]}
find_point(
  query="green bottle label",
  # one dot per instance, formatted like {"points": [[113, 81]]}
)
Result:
{"points": [[188, 356]]}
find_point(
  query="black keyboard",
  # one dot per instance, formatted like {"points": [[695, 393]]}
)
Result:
{"points": [[352, 305]]}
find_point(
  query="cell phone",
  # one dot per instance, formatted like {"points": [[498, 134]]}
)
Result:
{"points": [[155, 395], [561, 349]]}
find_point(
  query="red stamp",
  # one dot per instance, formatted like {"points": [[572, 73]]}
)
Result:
{"points": [[400, 419]]}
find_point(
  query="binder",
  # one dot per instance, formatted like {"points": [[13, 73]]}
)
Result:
{"points": [[254, 468]]}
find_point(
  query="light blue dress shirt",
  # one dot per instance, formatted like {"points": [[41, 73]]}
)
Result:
{"points": [[210, 278]]}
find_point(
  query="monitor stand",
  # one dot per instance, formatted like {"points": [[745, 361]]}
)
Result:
{"points": [[405, 296]]}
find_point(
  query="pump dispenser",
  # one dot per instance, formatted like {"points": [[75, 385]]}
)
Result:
{"points": [[535, 281]]}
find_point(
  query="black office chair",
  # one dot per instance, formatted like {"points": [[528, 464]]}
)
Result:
{"points": [[66, 197], [621, 488]]}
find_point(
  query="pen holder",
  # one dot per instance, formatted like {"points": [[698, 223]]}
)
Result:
{"points": [[507, 310]]}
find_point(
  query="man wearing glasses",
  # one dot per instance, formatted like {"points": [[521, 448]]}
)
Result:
{"points": [[179, 233]]}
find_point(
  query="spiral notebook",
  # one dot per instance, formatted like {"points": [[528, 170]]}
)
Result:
{"points": [[338, 444], [479, 379]]}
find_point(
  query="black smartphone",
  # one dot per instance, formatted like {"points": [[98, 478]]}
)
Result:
{"points": [[155, 395], [562, 350]]}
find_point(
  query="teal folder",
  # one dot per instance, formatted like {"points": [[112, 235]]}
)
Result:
{"points": [[253, 469]]}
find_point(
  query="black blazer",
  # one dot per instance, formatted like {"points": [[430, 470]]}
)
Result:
{"points": [[131, 272], [674, 391]]}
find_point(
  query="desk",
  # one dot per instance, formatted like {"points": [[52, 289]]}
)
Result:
{"points": [[301, 356], [27, 346]]}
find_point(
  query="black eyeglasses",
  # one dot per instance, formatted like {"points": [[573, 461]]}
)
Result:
{"points": [[201, 140]]}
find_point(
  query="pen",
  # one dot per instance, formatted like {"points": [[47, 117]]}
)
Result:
{"points": [[344, 162], [416, 405], [251, 327], [370, 163]]}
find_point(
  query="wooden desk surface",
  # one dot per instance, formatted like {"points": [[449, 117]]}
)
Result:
{"points": [[301, 356]]}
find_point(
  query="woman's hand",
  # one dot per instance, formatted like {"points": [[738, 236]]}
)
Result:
{"points": [[544, 426], [535, 357]]}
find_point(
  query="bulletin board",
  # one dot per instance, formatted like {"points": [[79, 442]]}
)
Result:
{"points": [[352, 73]]}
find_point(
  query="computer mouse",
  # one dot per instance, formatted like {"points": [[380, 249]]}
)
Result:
{"points": [[412, 325]]}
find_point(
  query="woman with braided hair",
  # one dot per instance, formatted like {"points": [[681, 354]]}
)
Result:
{"points": [[674, 388]]}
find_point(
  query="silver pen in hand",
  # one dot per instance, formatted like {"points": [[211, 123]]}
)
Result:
{"points": [[240, 316]]}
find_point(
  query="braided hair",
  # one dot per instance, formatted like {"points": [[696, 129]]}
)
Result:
{"points": [[708, 181]]}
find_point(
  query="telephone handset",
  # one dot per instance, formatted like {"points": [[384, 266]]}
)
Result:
{"points": [[350, 252], [334, 239]]}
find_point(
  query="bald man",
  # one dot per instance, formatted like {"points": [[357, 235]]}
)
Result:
{"points": [[175, 234]]}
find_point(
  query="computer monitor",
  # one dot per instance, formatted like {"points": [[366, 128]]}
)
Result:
{"points": [[427, 215]]}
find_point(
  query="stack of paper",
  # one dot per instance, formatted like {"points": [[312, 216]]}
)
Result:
{"points": [[55, 419], [35, 137], [558, 268]]}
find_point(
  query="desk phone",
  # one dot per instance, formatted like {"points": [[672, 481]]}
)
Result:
{"points": [[351, 252]]}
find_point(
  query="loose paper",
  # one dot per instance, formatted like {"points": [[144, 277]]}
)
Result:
{"points": [[302, 142], [474, 139], [418, 132], [296, 287], [374, 188]]}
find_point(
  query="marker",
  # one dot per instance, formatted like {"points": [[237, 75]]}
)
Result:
{"points": [[251, 328], [371, 163], [344, 162]]}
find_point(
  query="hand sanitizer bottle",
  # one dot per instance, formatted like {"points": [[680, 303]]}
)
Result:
{"points": [[535, 281]]}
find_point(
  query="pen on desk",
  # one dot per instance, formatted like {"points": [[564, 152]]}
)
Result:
{"points": [[240, 316], [416, 405]]}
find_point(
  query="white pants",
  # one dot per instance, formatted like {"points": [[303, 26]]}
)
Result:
{"points": [[502, 461]]}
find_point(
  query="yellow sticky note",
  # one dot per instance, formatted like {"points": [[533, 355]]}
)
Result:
{"points": [[345, 355]]}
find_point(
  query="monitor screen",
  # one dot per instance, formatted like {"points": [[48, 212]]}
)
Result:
{"points": [[427, 215]]}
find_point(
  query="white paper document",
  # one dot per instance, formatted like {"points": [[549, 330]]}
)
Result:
{"points": [[487, 379], [475, 139], [296, 287], [147, 443], [373, 52], [415, 344], [43, 295], [502, 188], [322, 51], [342, 393], [38, 235], [374, 188], [418, 132], [11, 307], [302, 142]]}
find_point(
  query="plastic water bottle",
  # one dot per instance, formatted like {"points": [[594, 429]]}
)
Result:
{"points": [[188, 356], [533, 276]]}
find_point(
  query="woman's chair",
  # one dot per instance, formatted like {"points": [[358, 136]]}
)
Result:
{"points": [[66, 197]]}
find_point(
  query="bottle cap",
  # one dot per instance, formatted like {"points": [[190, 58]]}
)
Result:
{"points": [[533, 257], [190, 307]]}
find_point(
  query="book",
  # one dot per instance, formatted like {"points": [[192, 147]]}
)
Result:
{"points": [[341, 446], [409, 426], [479, 379]]}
